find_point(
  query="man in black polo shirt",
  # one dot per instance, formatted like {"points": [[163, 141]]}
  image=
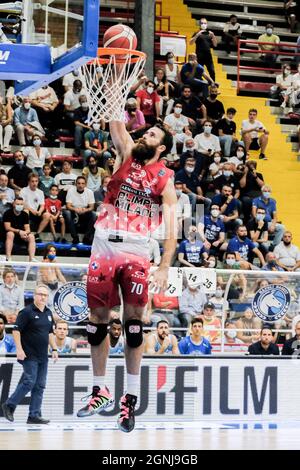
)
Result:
{"points": [[18, 173], [32, 334], [292, 346], [264, 347]]}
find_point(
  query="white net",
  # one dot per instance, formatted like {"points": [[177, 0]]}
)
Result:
{"points": [[108, 81]]}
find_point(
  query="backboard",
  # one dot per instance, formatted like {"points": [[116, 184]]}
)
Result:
{"points": [[49, 39]]}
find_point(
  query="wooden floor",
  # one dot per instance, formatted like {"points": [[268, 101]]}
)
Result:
{"points": [[202, 435]]}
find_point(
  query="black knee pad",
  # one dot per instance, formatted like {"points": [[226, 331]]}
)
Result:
{"points": [[134, 333], [96, 333]]}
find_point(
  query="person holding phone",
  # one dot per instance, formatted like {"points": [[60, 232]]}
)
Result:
{"points": [[254, 134]]}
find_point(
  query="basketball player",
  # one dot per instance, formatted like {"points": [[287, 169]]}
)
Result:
{"points": [[140, 186]]}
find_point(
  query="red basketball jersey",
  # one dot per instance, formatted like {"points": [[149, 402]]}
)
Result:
{"points": [[133, 200]]}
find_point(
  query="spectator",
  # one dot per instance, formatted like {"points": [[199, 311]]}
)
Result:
{"points": [[93, 174], [65, 180], [238, 158], [231, 262], [271, 263], [139, 83], [53, 216], [287, 254], [154, 252], [283, 87], [116, 338], [272, 40], [214, 107], [192, 107], [218, 300], [7, 344], [228, 178], [243, 247], [258, 231], [27, 123], [246, 323], [45, 101], [6, 129], [46, 181], [148, 102], [211, 323], [32, 337], [80, 206], [64, 344], [195, 344], [291, 346], [228, 208], [191, 151], [231, 33], [190, 304], [269, 204], [134, 119], [265, 346], [172, 74], [80, 123], [191, 251], [192, 74], [162, 89], [226, 129], [251, 128], [216, 168], [178, 125], [230, 337], [191, 183], [207, 143], [205, 40], [18, 173], [110, 164], [71, 99], [290, 8], [51, 277], [34, 200], [212, 231], [16, 224], [165, 308], [161, 342], [251, 183], [7, 196], [184, 212], [95, 142], [11, 295], [69, 79], [36, 156], [100, 195], [295, 94]]}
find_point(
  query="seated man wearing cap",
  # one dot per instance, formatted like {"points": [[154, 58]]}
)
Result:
{"points": [[211, 324]]}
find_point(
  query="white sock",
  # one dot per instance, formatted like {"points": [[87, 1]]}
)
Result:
{"points": [[99, 381], [133, 384]]}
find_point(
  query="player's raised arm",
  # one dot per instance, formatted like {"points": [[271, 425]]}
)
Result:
{"points": [[121, 140]]}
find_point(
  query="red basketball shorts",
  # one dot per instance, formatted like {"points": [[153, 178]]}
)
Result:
{"points": [[111, 267]]}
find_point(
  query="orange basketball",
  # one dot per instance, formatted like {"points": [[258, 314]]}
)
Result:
{"points": [[120, 36]]}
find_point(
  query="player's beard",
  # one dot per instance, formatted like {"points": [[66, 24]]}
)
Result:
{"points": [[142, 151], [162, 337]]}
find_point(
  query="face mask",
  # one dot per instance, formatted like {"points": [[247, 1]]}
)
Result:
{"points": [[27, 105], [18, 208], [215, 212], [150, 90], [230, 261], [243, 237], [51, 257], [203, 26], [269, 31], [259, 217], [36, 142], [211, 264], [3, 188], [20, 162], [178, 192], [96, 127], [240, 154], [266, 194], [80, 191], [75, 73], [178, 110], [53, 196], [77, 90], [287, 73], [190, 169], [207, 129], [231, 334], [170, 61], [104, 189], [227, 173], [213, 96], [217, 159], [219, 293], [84, 105], [9, 286]]}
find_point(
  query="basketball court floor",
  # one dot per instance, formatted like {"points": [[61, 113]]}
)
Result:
{"points": [[157, 436]]}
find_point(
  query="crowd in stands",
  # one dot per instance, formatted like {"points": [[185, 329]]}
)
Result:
{"points": [[215, 176]]}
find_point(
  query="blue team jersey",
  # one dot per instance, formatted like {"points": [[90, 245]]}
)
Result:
{"points": [[186, 346], [7, 345], [212, 229], [192, 251], [243, 247], [118, 348]]}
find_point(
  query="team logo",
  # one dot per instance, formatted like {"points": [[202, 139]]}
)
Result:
{"points": [[271, 303], [139, 275], [161, 173], [70, 302], [94, 266]]}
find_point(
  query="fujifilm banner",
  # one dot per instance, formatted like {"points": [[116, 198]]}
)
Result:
{"points": [[172, 389]]}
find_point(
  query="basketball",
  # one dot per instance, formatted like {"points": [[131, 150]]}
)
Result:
{"points": [[120, 36]]}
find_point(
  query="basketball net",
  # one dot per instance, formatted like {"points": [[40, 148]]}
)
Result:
{"points": [[108, 81]]}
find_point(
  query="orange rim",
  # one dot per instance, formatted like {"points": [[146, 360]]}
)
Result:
{"points": [[104, 54]]}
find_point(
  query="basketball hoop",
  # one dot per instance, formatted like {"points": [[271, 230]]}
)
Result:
{"points": [[108, 80]]}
